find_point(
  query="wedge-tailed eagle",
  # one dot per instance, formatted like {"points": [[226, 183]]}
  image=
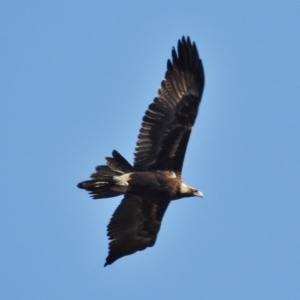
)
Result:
{"points": [[154, 180]]}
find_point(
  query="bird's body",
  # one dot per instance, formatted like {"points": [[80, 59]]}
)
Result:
{"points": [[155, 178]]}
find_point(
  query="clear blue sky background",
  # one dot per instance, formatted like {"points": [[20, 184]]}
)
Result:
{"points": [[76, 78]]}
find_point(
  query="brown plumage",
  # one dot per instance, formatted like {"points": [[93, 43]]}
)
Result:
{"points": [[155, 178]]}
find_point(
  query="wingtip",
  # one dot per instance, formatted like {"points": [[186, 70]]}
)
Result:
{"points": [[185, 40], [108, 261]]}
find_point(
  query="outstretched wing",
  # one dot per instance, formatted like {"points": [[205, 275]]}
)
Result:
{"points": [[134, 225], [168, 122]]}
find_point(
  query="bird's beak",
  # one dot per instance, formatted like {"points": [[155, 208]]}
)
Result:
{"points": [[198, 194]]}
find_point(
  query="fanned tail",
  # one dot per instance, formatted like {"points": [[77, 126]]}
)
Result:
{"points": [[102, 184]]}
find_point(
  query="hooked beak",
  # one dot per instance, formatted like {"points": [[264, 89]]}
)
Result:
{"points": [[198, 194]]}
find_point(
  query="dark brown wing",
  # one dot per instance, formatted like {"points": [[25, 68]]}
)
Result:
{"points": [[167, 124], [134, 225]]}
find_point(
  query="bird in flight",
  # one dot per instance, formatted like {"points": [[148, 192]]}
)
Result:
{"points": [[154, 179]]}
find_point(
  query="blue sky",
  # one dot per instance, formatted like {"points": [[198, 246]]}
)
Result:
{"points": [[76, 78]]}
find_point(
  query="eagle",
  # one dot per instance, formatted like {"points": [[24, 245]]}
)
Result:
{"points": [[154, 179]]}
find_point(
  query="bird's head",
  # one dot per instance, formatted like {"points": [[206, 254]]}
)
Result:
{"points": [[189, 191]]}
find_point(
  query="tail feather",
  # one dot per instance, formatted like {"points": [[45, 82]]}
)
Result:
{"points": [[98, 189], [104, 172], [102, 184], [118, 163]]}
